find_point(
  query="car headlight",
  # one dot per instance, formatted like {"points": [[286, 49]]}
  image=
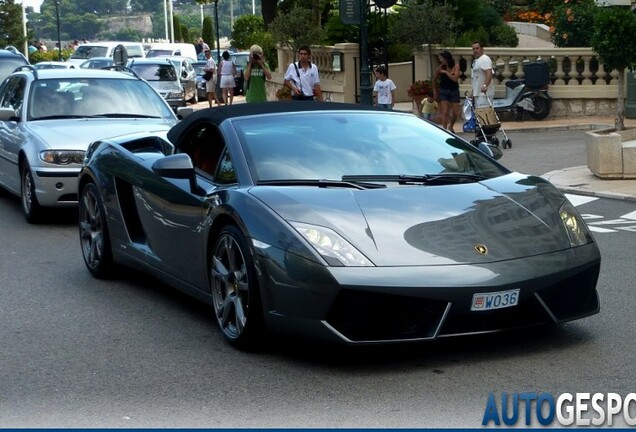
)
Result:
{"points": [[577, 230], [331, 246], [62, 157], [175, 94]]}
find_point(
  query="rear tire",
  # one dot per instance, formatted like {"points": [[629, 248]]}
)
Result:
{"points": [[93, 231], [542, 105]]}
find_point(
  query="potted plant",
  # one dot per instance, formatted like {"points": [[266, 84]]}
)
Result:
{"points": [[417, 92], [610, 152], [283, 93]]}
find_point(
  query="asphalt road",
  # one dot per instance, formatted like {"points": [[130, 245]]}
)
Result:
{"points": [[132, 352]]}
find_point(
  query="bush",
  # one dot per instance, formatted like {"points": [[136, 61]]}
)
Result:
{"points": [[468, 37], [574, 23], [51, 55], [503, 36]]}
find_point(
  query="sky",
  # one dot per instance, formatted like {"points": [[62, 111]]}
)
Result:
{"points": [[35, 3]]}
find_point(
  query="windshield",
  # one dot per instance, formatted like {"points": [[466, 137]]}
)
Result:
{"points": [[159, 53], [89, 51], [198, 68], [82, 97], [333, 145], [155, 72], [9, 64], [240, 60]]}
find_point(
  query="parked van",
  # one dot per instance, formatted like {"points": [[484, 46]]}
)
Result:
{"points": [[172, 49], [105, 49]]}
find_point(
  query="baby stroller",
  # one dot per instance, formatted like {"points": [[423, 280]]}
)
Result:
{"points": [[485, 123]]}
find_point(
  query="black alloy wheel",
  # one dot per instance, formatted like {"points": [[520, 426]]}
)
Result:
{"points": [[93, 231], [235, 295]]}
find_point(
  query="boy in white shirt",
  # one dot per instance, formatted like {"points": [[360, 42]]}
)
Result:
{"points": [[383, 90]]}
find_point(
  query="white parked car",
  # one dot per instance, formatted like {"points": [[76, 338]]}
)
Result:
{"points": [[54, 65], [105, 49]]}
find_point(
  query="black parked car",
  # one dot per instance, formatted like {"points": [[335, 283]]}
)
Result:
{"points": [[199, 65], [240, 59]]}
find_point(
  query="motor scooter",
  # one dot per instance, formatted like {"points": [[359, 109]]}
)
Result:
{"points": [[521, 98], [529, 94]]}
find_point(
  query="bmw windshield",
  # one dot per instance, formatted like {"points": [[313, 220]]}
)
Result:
{"points": [[95, 97]]}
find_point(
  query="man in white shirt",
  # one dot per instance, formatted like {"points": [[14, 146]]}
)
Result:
{"points": [[482, 76], [302, 78]]}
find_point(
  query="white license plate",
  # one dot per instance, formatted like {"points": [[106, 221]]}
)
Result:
{"points": [[495, 300]]}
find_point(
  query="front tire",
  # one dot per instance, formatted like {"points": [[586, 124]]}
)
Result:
{"points": [[93, 231], [31, 208], [235, 294]]}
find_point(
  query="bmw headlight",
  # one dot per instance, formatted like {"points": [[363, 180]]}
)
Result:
{"points": [[331, 246], [577, 230], [62, 157]]}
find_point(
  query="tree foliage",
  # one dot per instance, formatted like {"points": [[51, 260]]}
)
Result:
{"points": [[427, 22], [247, 31], [207, 31], [295, 29], [11, 29], [611, 24], [573, 23]]}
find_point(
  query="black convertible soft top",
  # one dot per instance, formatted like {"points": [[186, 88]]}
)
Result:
{"points": [[218, 115]]}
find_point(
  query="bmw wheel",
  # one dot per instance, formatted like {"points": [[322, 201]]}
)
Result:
{"points": [[235, 296], [93, 232], [30, 206]]}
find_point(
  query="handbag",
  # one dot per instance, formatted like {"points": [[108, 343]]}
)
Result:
{"points": [[208, 75]]}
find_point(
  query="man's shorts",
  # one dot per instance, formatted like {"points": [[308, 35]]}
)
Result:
{"points": [[451, 95]]}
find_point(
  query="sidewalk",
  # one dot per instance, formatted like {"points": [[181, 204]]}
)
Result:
{"points": [[579, 179]]}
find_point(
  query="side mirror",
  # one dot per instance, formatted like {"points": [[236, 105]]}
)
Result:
{"points": [[176, 166], [8, 114]]}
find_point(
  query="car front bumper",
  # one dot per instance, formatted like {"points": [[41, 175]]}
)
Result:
{"points": [[364, 305], [56, 187]]}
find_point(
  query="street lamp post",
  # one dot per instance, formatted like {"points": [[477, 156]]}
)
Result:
{"points": [[59, 37], [366, 89], [218, 34], [218, 45]]}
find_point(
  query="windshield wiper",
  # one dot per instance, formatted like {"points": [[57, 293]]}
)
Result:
{"points": [[321, 183], [121, 115], [408, 178], [57, 117]]}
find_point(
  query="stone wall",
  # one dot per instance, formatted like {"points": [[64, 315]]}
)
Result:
{"points": [[141, 23]]}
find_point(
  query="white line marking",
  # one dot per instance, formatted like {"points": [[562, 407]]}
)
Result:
{"points": [[578, 200], [600, 230]]}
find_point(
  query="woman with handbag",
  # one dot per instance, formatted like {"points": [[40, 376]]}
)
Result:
{"points": [[210, 79]]}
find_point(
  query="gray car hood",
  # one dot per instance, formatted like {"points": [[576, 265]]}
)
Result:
{"points": [[77, 134], [513, 216]]}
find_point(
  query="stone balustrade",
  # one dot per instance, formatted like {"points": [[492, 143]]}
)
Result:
{"points": [[580, 85]]}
